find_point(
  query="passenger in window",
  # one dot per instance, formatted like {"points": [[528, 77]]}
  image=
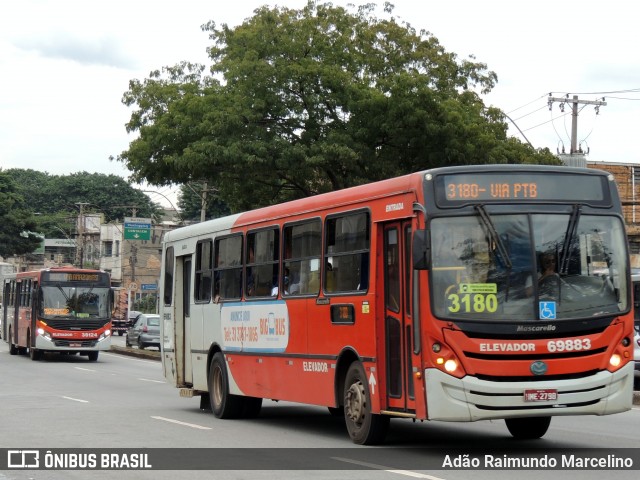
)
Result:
{"points": [[274, 290]]}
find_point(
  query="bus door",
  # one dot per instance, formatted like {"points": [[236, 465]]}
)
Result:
{"points": [[6, 297], [182, 321], [397, 309]]}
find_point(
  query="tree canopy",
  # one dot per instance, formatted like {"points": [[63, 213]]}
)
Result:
{"points": [[56, 204], [190, 202], [18, 224], [300, 102]]}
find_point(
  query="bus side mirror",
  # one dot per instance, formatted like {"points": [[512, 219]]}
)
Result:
{"points": [[421, 250]]}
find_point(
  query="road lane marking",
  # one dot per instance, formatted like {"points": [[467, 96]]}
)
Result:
{"points": [[85, 369], [149, 380], [407, 473], [76, 399], [192, 425]]}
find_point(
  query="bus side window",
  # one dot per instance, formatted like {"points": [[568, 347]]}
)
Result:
{"points": [[168, 276], [302, 250], [263, 262], [203, 273], [228, 267], [347, 239]]}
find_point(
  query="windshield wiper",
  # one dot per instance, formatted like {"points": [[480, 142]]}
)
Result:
{"points": [[495, 236], [572, 227]]}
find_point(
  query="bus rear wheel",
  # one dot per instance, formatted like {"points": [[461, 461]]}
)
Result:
{"points": [[364, 427], [528, 428], [223, 404]]}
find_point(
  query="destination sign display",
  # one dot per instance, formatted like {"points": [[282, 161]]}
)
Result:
{"points": [[499, 187], [100, 278]]}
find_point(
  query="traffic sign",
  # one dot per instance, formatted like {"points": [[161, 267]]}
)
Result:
{"points": [[137, 228]]}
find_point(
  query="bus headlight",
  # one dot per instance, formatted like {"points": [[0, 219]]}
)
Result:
{"points": [[615, 360], [450, 365], [43, 333], [447, 360]]}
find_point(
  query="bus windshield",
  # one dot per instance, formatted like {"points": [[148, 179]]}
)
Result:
{"points": [[74, 301], [528, 267]]}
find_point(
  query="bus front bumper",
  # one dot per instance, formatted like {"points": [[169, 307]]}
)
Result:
{"points": [[46, 343], [470, 399]]}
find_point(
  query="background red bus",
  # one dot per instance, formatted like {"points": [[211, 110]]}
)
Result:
{"points": [[64, 310]]}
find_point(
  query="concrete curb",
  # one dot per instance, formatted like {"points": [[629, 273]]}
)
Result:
{"points": [[135, 352]]}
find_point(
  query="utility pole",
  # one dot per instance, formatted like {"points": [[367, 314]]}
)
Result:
{"points": [[81, 226], [203, 204], [574, 114]]}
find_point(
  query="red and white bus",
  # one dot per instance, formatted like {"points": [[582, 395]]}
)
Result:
{"points": [[64, 310], [420, 297]]}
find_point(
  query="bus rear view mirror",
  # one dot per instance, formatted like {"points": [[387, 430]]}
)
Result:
{"points": [[421, 250]]}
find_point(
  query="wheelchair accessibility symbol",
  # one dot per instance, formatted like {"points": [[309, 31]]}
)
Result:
{"points": [[547, 310]]}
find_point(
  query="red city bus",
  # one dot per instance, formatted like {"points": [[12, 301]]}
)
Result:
{"points": [[421, 297], [64, 310]]}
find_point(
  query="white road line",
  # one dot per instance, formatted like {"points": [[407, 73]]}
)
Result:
{"points": [[76, 399], [149, 380], [407, 473], [192, 425], [85, 369]]}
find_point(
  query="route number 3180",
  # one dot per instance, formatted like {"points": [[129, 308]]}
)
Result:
{"points": [[472, 303]]}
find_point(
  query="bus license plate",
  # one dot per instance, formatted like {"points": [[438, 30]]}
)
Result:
{"points": [[543, 395], [75, 345]]}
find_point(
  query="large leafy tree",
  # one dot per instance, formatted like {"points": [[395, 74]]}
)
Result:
{"points": [[312, 100], [59, 197], [17, 225]]}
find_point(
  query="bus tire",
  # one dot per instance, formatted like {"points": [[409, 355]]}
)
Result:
{"points": [[13, 349], [528, 428], [93, 356], [223, 404], [364, 427], [35, 354]]}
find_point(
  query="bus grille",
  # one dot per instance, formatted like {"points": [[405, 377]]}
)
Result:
{"points": [[541, 378], [81, 344]]}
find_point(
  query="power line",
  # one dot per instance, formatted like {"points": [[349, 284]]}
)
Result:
{"points": [[574, 115]]}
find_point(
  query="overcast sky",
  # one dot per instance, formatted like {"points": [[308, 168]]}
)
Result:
{"points": [[65, 65]]}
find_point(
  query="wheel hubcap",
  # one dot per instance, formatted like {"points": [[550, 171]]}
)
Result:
{"points": [[217, 386], [355, 402]]}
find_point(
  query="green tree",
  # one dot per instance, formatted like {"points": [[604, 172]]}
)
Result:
{"points": [[17, 223], [312, 100], [59, 196], [190, 202]]}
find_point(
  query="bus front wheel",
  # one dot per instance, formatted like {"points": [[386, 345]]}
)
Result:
{"points": [[13, 349], [528, 428], [364, 427], [223, 404]]}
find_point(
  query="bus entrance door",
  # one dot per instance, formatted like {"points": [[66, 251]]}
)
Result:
{"points": [[182, 325], [398, 325]]}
